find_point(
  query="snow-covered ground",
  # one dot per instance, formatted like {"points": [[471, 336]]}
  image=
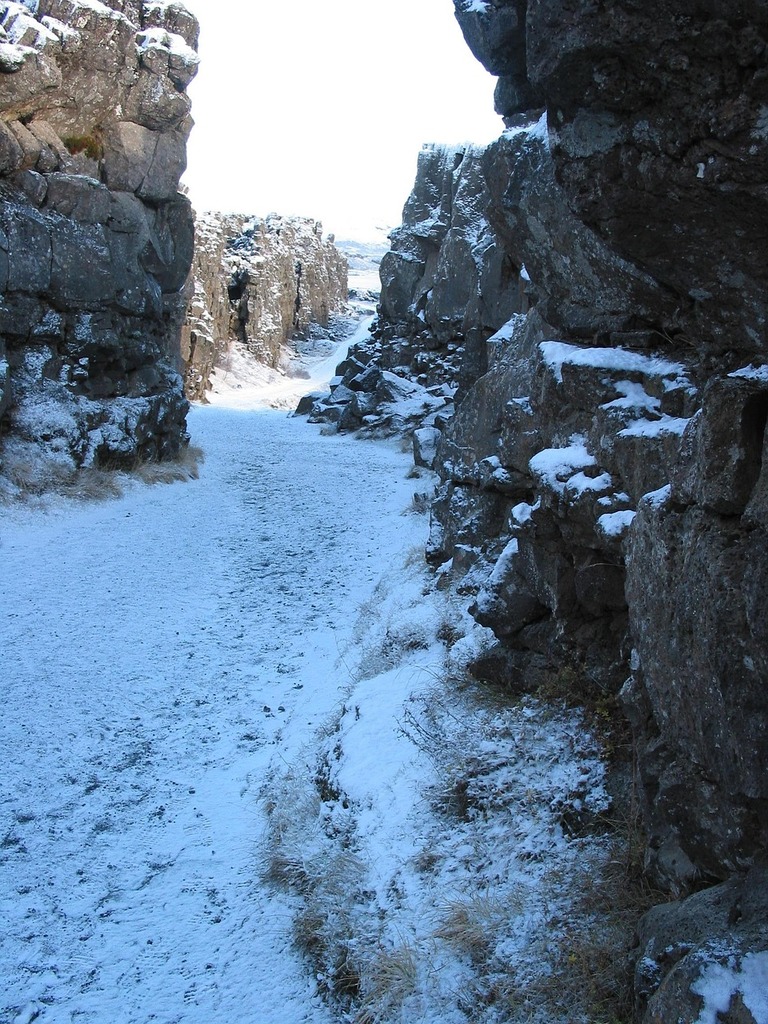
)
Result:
{"points": [[243, 768]]}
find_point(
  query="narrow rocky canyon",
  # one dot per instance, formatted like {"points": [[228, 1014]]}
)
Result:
{"points": [[259, 283], [571, 339]]}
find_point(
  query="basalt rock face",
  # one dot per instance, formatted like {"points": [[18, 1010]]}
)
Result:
{"points": [[603, 496], [446, 284], [638, 206], [260, 282], [95, 239], [659, 140]]}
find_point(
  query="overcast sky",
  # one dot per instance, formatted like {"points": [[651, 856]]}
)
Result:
{"points": [[320, 108]]}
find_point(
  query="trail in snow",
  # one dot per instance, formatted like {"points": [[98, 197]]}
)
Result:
{"points": [[253, 675], [159, 653]]}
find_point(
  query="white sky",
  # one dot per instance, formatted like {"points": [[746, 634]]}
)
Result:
{"points": [[320, 108]]}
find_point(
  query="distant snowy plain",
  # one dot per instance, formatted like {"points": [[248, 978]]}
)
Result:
{"points": [[213, 687]]}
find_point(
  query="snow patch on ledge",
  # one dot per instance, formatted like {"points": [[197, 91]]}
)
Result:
{"points": [[614, 525], [474, 6], [558, 353], [507, 332], [655, 428], [752, 373], [658, 498], [555, 466], [161, 39]]}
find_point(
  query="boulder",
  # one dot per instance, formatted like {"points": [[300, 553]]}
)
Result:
{"points": [[706, 956], [425, 446], [145, 162]]}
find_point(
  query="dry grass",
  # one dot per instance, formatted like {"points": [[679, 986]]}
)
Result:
{"points": [[471, 924], [421, 503], [387, 979], [169, 471], [29, 477]]}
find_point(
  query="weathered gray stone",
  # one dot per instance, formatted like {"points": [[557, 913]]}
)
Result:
{"points": [[32, 186], [46, 135], [504, 602], [696, 586], [11, 153], [29, 249], [168, 252], [174, 17], [79, 198], [724, 445], [148, 163], [30, 145], [446, 283], [581, 286], [425, 446], [637, 207], [81, 272], [92, 278], [679, 942], [640, 150]]}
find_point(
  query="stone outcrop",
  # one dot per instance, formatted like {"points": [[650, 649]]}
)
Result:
{"points": [[95, 239], [603, 482], [446, 283], [260, 282]]}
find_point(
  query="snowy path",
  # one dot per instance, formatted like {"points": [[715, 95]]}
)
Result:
{"points": [[159, 653]]}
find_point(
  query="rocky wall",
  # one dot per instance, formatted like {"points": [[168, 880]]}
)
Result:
{"points": [[260, 282], [446, 283], [603, 483], [95, 239]]}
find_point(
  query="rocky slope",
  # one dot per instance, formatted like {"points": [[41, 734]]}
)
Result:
{"points": [[95, 239], [603, 495], [258, 282]]}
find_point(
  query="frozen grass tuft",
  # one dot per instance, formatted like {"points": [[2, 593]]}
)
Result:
{"points": [[29, 474], [185, 467], [388, 979]]}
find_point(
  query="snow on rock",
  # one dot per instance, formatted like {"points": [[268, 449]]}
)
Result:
{"points": [[557, 354], [752, 373], [615, 524], [95, 238], [719, 984], [653, 428], [554, 467], [440, 294]]}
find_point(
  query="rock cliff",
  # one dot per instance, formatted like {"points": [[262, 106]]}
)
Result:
{"points": [[258, 282], [603, 486], [447, 282], [95, 239]]}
